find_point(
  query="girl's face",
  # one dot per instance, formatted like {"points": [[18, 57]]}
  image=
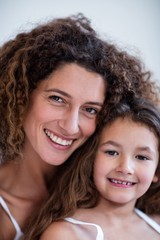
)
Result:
{"points": [[62, 113], [126, 161]]}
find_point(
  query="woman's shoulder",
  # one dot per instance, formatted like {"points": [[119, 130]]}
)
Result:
{"points": [[156, 218], [59, 231]]}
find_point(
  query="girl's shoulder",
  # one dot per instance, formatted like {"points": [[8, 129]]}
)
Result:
{"points": [[59, 231]]}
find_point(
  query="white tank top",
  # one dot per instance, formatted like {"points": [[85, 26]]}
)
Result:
{"points": [[100, 235], [19, 233], [148, 220]]}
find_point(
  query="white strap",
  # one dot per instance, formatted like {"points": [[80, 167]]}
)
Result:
{"points": [[17, 228], [100, 235], [150, 221]]}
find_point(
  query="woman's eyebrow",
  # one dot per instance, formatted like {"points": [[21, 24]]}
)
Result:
{"points": [[69, 96], [96, 103], [58, 91]]}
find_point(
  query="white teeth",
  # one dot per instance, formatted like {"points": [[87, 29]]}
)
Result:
{"points": [[58, 140], [120, 182]]}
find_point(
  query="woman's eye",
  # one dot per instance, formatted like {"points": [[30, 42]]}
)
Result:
{"points": [[111, 153], [92, 111], [141, 157], [56, 99]]}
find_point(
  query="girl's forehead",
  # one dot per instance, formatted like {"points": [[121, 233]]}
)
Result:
{"points": [[121, 123]]}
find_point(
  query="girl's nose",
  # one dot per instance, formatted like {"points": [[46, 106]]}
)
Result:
{"points": [[125, 166]]}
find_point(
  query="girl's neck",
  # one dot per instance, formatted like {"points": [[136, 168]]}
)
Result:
{"points": [[107, 211]]}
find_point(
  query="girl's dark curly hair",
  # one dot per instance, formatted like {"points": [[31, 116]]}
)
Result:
{"points": [[32, 56], [74, 185]]}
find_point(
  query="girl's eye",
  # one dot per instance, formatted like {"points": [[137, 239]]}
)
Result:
{"points": [[56, 99], [111, 153], [141, 157]]}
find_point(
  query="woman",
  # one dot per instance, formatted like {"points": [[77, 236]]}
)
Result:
{"points": [[53, 82]]}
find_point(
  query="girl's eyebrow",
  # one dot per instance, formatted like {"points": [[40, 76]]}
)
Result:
{"points": [[69, 96], [109, 142], [143, 148], [146, 149]]}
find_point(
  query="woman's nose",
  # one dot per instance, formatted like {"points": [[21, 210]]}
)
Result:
{"points": [[70, 122]]}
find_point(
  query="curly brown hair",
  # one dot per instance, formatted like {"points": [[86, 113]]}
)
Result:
{"points": [[74, 185], [32, 56]]}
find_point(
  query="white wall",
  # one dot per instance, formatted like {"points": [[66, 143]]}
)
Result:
{"points": [[133, 24]]}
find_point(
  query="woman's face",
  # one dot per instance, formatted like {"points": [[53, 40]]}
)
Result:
{"points": [[62, 113]]}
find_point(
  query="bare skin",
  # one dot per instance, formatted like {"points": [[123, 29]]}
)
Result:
{"points": [[59, 119], [116, 222], [21, 201]]}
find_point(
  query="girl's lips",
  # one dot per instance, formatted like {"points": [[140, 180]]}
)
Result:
{"points": [[119, 182], [58, 140]]}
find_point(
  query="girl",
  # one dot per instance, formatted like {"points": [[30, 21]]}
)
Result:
{"points": [[97, 196]]}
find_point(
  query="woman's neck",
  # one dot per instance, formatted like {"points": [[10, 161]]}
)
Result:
{"points": [[26, 178]]}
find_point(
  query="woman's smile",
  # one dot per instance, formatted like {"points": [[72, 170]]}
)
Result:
{"points": [[61, 116]]}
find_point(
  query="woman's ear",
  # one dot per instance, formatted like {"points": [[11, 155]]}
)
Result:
{"points": [[155, 179]]}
